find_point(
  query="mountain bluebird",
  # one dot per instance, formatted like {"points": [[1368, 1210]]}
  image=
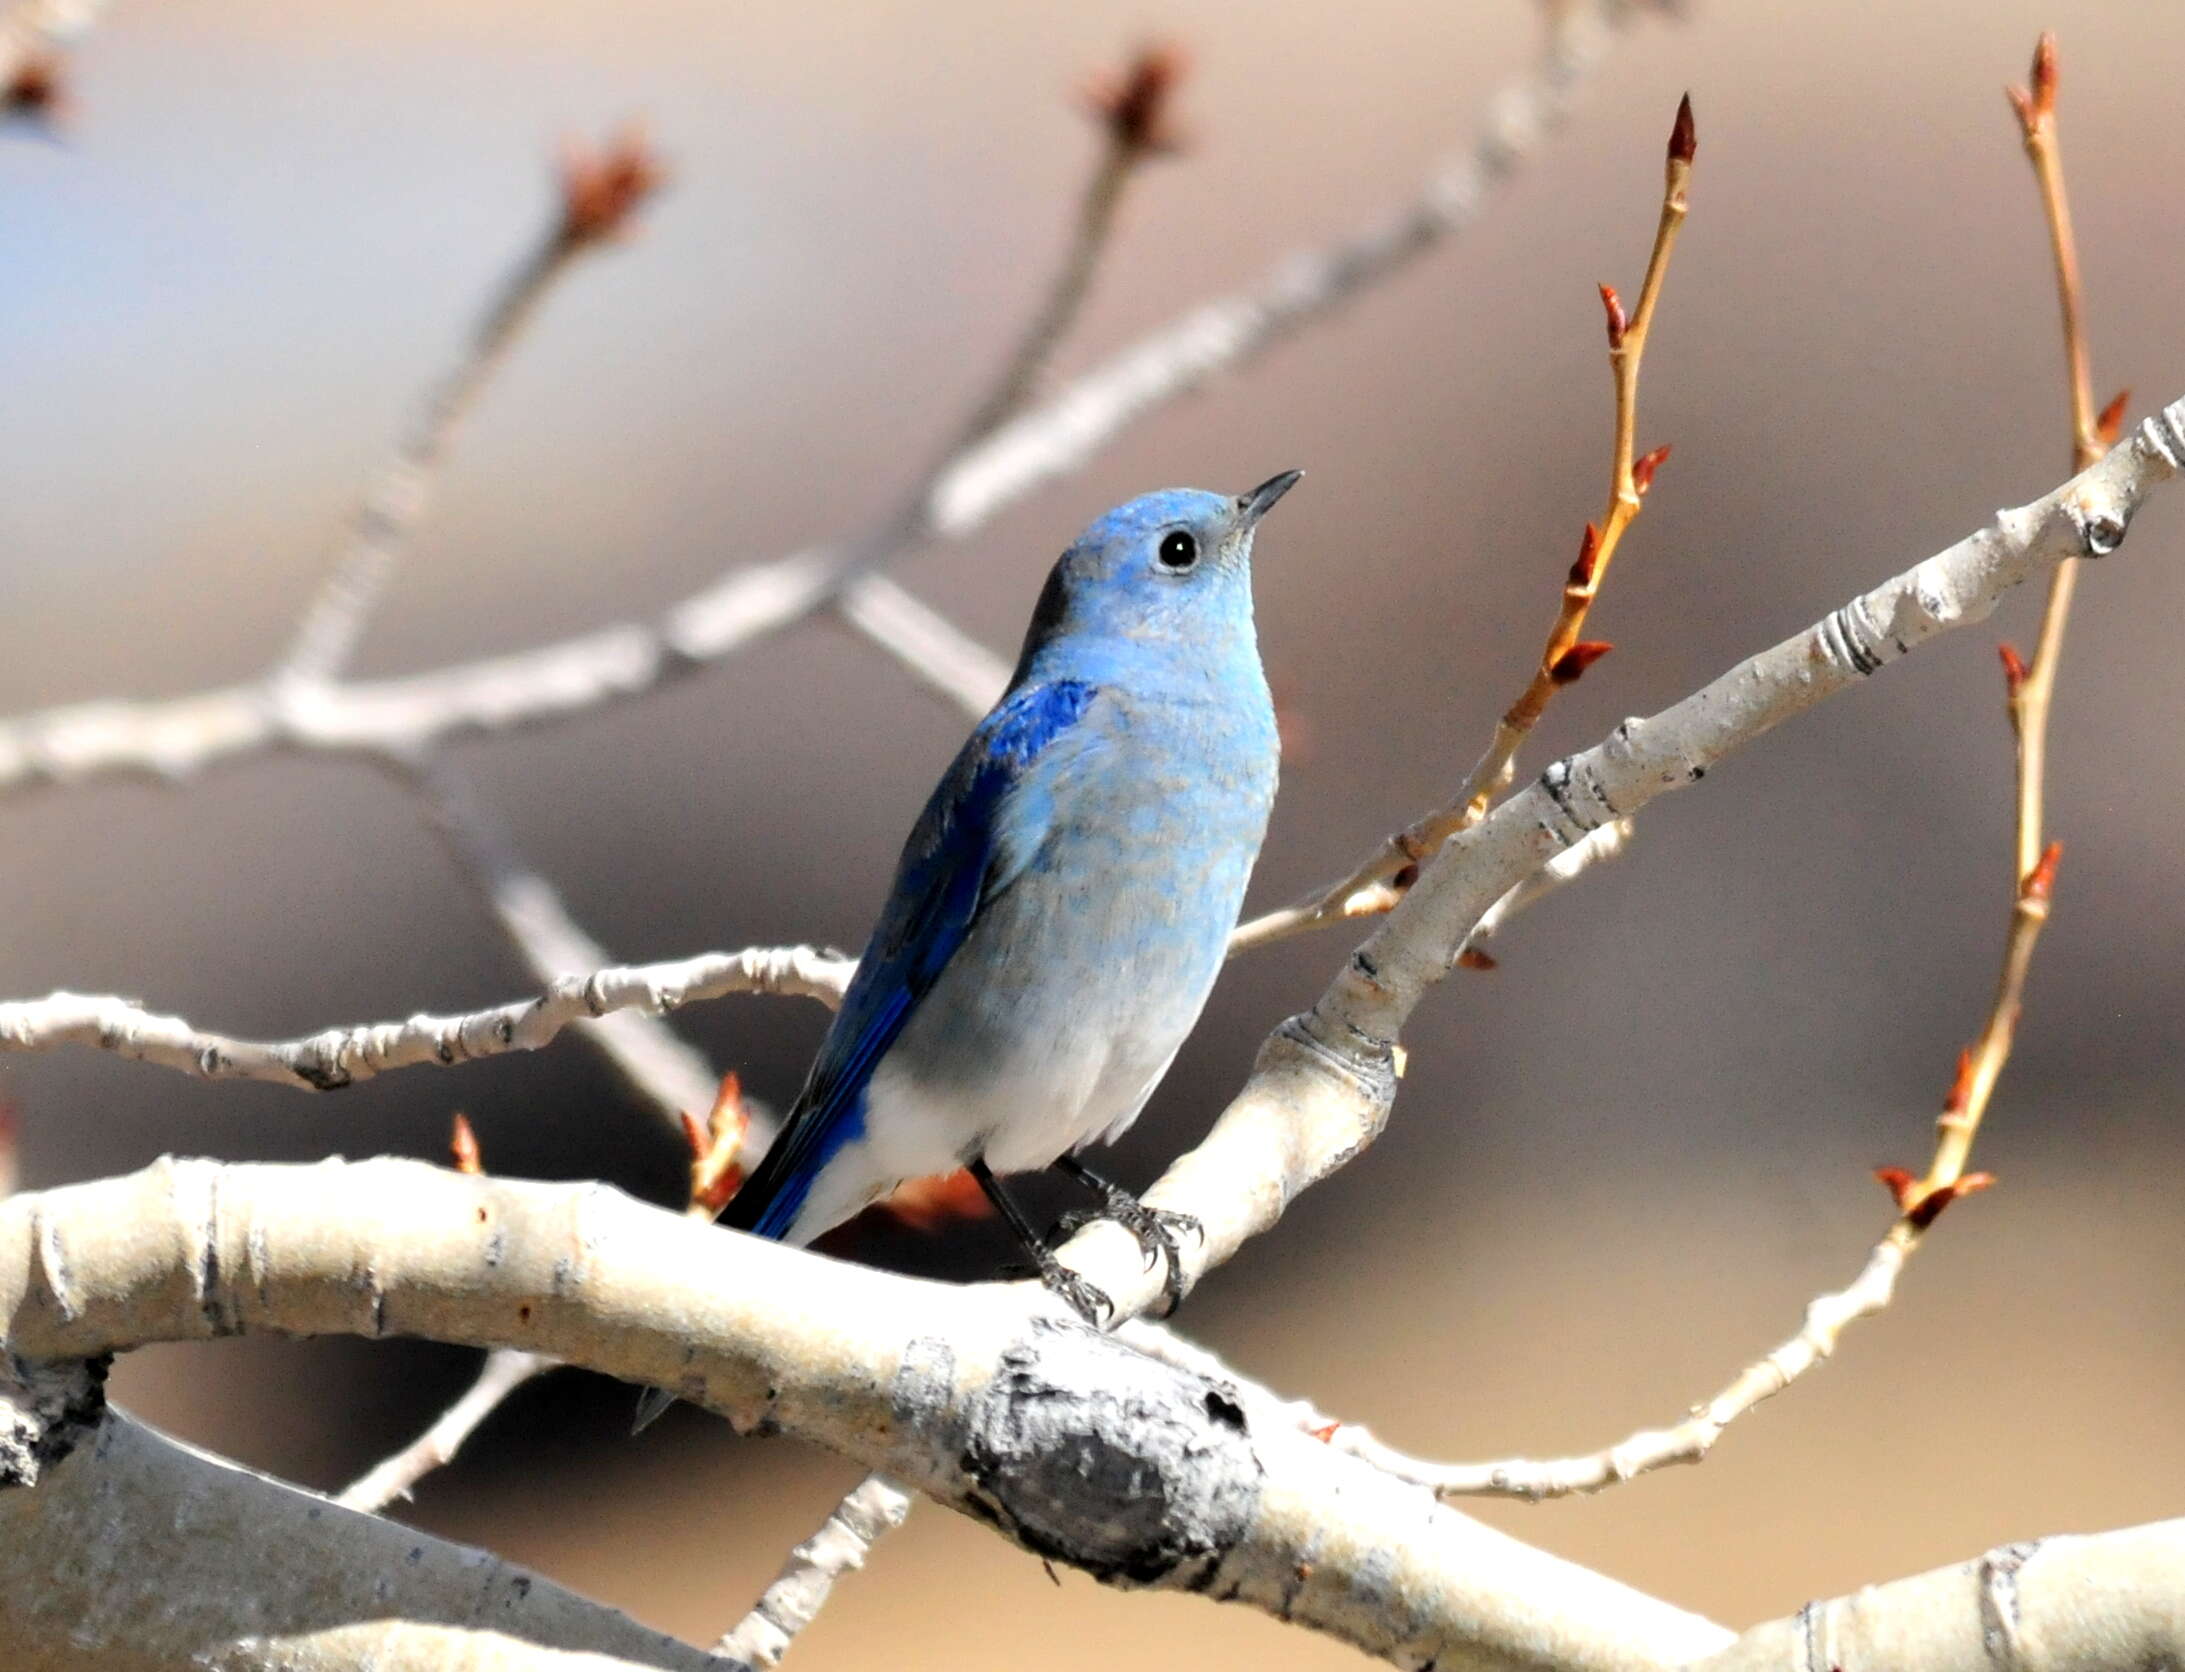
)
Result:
{"points": [[1063, 904]]}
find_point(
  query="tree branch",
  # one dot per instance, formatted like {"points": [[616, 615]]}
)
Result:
{"points": [[1379, 881], [339, 1057], [875, 1507], [1324, 1082], [989, 1399], [175, 737]]}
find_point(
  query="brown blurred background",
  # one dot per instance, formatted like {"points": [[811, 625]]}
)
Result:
{"points": [[1620, 1165]]}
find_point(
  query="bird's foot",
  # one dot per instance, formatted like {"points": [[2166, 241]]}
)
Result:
{"points": [[1080, 1294], [1160, 1233]]}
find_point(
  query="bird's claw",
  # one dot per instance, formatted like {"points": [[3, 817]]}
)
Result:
{"points": [[1080, 1294], [1158, 1231]]}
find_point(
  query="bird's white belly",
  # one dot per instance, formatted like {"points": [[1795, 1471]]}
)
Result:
{"points": [[1019, 1114]]}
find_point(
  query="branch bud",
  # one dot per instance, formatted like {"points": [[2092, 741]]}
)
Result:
{"points": [[1683, 135], [1643, 468], [463, 1148], [1472, 958], [1961, 1084], [2110, 424], [1589, 557], [2041, 880], [1617, 322], [1572, 664], [1137, 107], [2014, 669], [602, 189]]}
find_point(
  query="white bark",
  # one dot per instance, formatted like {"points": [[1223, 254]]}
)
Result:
{"points": [[133, 1553], [988, 1399], [875, 1508], [338, 1057]]}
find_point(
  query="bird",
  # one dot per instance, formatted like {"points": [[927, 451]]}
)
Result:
{"points": [[1062, 905]]}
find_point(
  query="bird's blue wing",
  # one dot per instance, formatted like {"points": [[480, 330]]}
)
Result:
{"points": [[984, 822]]}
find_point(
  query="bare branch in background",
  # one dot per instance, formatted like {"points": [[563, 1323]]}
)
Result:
{"points": [[875, 1507], [176, 737], [600, 193], [1379, 881]]}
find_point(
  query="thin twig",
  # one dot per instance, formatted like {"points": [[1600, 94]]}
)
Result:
{"points": [[599, 193], [338, 1057], [1920, 1201], [1379, 881]]}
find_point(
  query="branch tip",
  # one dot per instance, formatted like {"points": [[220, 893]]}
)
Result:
{"points": [[463, 1147], [603, 187], [1137, 104], [1683, 135]]}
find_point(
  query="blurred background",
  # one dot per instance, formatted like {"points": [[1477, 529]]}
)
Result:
{"points": [[1620, 1165]]}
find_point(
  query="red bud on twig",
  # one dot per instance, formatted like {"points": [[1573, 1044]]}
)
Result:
{"points": [[1961, 1084], [1137, 106], [2014, 669], [1472, 958], [1618, 323], [2110, 424], [1898, 1183], [1589, 554], [463, 1147], [602, 189], [1643, 468], [1572, 664], [2043, 73], [1683, 134], [2041, 880]]}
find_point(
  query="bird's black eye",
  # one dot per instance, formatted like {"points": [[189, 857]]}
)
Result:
{"points": [[1178, 551]]}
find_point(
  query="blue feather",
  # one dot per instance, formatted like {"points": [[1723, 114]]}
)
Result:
{"points": [[979, 830]]}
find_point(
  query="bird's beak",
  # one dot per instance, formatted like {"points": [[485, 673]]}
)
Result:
{"points": [[1256, 504]]}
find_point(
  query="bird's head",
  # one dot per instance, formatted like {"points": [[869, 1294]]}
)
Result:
{"points": [[1168, 567]]}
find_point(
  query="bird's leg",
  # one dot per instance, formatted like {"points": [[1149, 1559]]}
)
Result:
{"points": [[1086, 1299], [1156, 1229]]}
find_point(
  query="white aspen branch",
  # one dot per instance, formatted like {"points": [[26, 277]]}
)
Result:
{"points": [[989, 1399], [126, 1549], [1324, 1081], [2092, 1602], [176, 737], [338, 1057], [872, 1509]]}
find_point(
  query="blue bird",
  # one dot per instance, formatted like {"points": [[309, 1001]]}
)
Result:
{"points": [[1063, 904]]}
